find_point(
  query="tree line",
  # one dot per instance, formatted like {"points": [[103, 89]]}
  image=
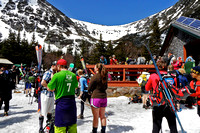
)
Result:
{"points": [[18, 50]]}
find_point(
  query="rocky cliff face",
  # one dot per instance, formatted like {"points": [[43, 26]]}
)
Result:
{"points": [[49, 24]]}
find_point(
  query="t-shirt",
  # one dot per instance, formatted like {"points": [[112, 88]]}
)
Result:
{"points": [[64, 83]]}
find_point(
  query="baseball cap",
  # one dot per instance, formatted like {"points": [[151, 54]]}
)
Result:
{"points": [[62, 62]]}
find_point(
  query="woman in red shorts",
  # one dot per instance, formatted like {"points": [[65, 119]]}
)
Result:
{"points": [[97, 89]]}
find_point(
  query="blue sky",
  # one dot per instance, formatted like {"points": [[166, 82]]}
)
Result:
{"points": [[111, 12]]}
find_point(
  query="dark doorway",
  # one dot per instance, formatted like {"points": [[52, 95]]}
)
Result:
{"points": [[193, 49]]}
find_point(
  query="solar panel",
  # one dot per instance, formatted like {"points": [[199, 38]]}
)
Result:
{"points": [[195, 24], [188, 21], [191, 22], [181, 19]]}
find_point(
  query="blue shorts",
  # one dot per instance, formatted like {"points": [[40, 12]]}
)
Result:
{"points": [[28, 85], [98, 102]]}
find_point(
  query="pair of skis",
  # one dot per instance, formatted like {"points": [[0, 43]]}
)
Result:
{"points": [[166, 91]]}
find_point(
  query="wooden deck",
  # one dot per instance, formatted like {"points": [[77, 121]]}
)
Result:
{"points": [[124, 71]]}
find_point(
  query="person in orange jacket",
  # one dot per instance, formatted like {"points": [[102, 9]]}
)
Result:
{"points": [[195, 84]]}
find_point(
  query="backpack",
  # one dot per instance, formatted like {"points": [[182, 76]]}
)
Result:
{"points": [[142, 60], [31, 79], [158, 98], [143, 78]]}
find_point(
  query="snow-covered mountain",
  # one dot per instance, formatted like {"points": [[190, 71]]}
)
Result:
{"points": [[189, 8], [53, 27]]}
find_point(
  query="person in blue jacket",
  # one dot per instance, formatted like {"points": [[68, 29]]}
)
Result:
{"points": [[103, 60], [83, 92]]}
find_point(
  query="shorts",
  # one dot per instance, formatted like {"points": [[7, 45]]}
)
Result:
{"points": [[28, 85], [47, 104], [98, 102], [65, 112]]}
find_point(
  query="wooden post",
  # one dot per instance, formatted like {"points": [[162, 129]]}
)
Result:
{"points": [[124, 74]]}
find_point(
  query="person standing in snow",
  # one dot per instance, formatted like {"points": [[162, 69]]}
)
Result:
{"points": [[64, 83], [142, 80], [97, 88], [27, 82], [83, 92], [5, 90], [161, 111], [46, 97]]}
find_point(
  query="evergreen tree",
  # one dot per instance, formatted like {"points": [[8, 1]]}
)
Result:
{"points": [[109, 51], [77, 62], [24, 51], [49, 48], [98, 51], [84, 47], [120, 52], [33, 40], [154, 42], [69, 49]]}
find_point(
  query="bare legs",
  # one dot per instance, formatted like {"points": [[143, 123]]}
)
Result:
{"points": [[99, 112]]}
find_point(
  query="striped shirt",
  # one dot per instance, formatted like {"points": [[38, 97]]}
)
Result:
{"points": [[47, 78]]}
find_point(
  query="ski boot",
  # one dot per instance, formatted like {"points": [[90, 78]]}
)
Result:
{"points": [[41, 119], [5, 113]]}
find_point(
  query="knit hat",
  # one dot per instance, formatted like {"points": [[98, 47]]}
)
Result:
{"points": [[62, 62], [196, 70]]}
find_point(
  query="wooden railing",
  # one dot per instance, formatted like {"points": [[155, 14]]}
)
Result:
{"points": [[125, 72]]}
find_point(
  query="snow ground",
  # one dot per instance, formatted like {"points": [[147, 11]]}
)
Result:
{"points": [[122, 117]]}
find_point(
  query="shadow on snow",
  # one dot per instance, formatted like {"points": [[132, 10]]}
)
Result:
{"points": [[119, 129], [11, 121]]}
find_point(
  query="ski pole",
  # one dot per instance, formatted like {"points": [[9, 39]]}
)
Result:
{"points": [[165, 88]]}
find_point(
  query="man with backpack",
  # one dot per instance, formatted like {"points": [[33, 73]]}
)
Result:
{"points": [[161, 111], [83, 92], [46, 97], [162, 106]]}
